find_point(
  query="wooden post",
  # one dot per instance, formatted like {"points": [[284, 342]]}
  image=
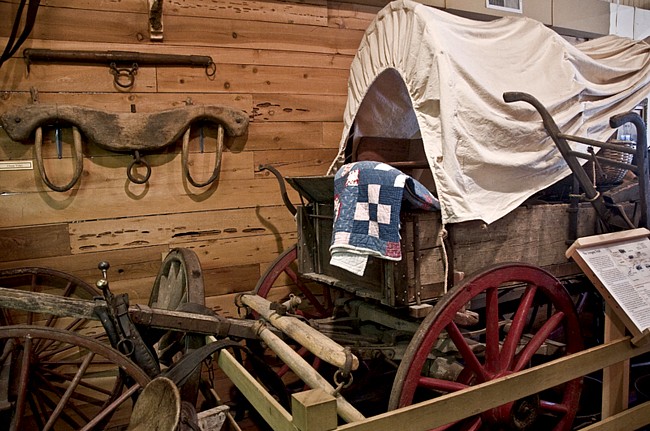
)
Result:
{"points": [[616, 378], [314, 410]]}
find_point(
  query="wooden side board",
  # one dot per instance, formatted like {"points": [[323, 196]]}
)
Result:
{"points": [[537, 234], [455, 406]]}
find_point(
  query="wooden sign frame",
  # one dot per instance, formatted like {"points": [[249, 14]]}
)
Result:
{"points": [[590, 252], [615, 396]]}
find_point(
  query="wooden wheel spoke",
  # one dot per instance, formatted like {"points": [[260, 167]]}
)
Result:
{"points": [[474, 424], [111, 407], [58, 392], [37, 408], [471, 424], [318, 305], [440, 385], [5, 317], [283, 265], [61, 377], [492, 330], [538, 339], [67, 292], [47, 403], [55, 347], [517, 328], [445, 427], [555, 408], [74, 383], [23, 385], [42, 345], [471, 361]]}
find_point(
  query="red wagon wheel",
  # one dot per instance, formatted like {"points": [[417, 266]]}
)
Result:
{"points": [[285, 264], [59, 380], [506, 352]]}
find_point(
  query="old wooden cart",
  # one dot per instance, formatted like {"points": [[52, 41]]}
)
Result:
{"points": [[499, 349]]}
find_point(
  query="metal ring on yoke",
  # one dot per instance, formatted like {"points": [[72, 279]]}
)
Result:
{"points": [[139, 161]]}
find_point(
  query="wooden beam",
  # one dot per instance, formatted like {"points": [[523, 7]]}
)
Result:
{"points": [[270, 410], [317, 343], [630, 419], [616, 378], [308, 374], [476, 399]]}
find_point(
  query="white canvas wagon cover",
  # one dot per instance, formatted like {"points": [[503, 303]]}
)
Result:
{"points": [[422, 72]]}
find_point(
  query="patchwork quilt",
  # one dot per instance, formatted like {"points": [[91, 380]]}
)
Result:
{"points": [[368, 197]]}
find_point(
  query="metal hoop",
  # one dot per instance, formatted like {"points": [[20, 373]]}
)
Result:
{"points": [[211, 69], [78, 156], [119, 73], [126, 346], [139, 161], [185, 158], [340, 381]]}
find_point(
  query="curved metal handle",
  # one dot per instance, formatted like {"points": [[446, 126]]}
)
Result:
{"points": [[185, 158], [283, 189], [556, 135], [78, 162]]}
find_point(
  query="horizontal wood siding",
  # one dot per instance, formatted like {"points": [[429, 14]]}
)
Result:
{"points": [[285, 64]]}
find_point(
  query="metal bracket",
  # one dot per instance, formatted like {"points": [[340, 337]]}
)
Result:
{"points": [[155, 20]]}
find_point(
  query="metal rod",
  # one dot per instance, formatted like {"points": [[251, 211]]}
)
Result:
{"points": [[106, 57], [612, 145]]}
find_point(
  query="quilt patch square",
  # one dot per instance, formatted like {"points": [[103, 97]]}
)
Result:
{"points": [[373, 229], [362, 211], [384, 213], [393, 249], [342, 237], [373, 193]]}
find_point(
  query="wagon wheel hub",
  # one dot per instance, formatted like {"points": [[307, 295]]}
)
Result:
{"points": [[520, 415], [524, 413]]}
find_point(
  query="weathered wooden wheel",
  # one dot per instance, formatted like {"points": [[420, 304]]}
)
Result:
{"points": [[506, 352], [179, 286], [284, 265], [53, 282], [55, 379]]}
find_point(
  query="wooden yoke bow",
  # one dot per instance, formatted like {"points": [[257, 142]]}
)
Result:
{"points": [[123, 132]]}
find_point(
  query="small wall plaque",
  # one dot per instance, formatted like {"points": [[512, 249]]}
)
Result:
{"points": [[16, 165]]}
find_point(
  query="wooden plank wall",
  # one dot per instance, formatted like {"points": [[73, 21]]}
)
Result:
{"points": [[283, 63]]}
